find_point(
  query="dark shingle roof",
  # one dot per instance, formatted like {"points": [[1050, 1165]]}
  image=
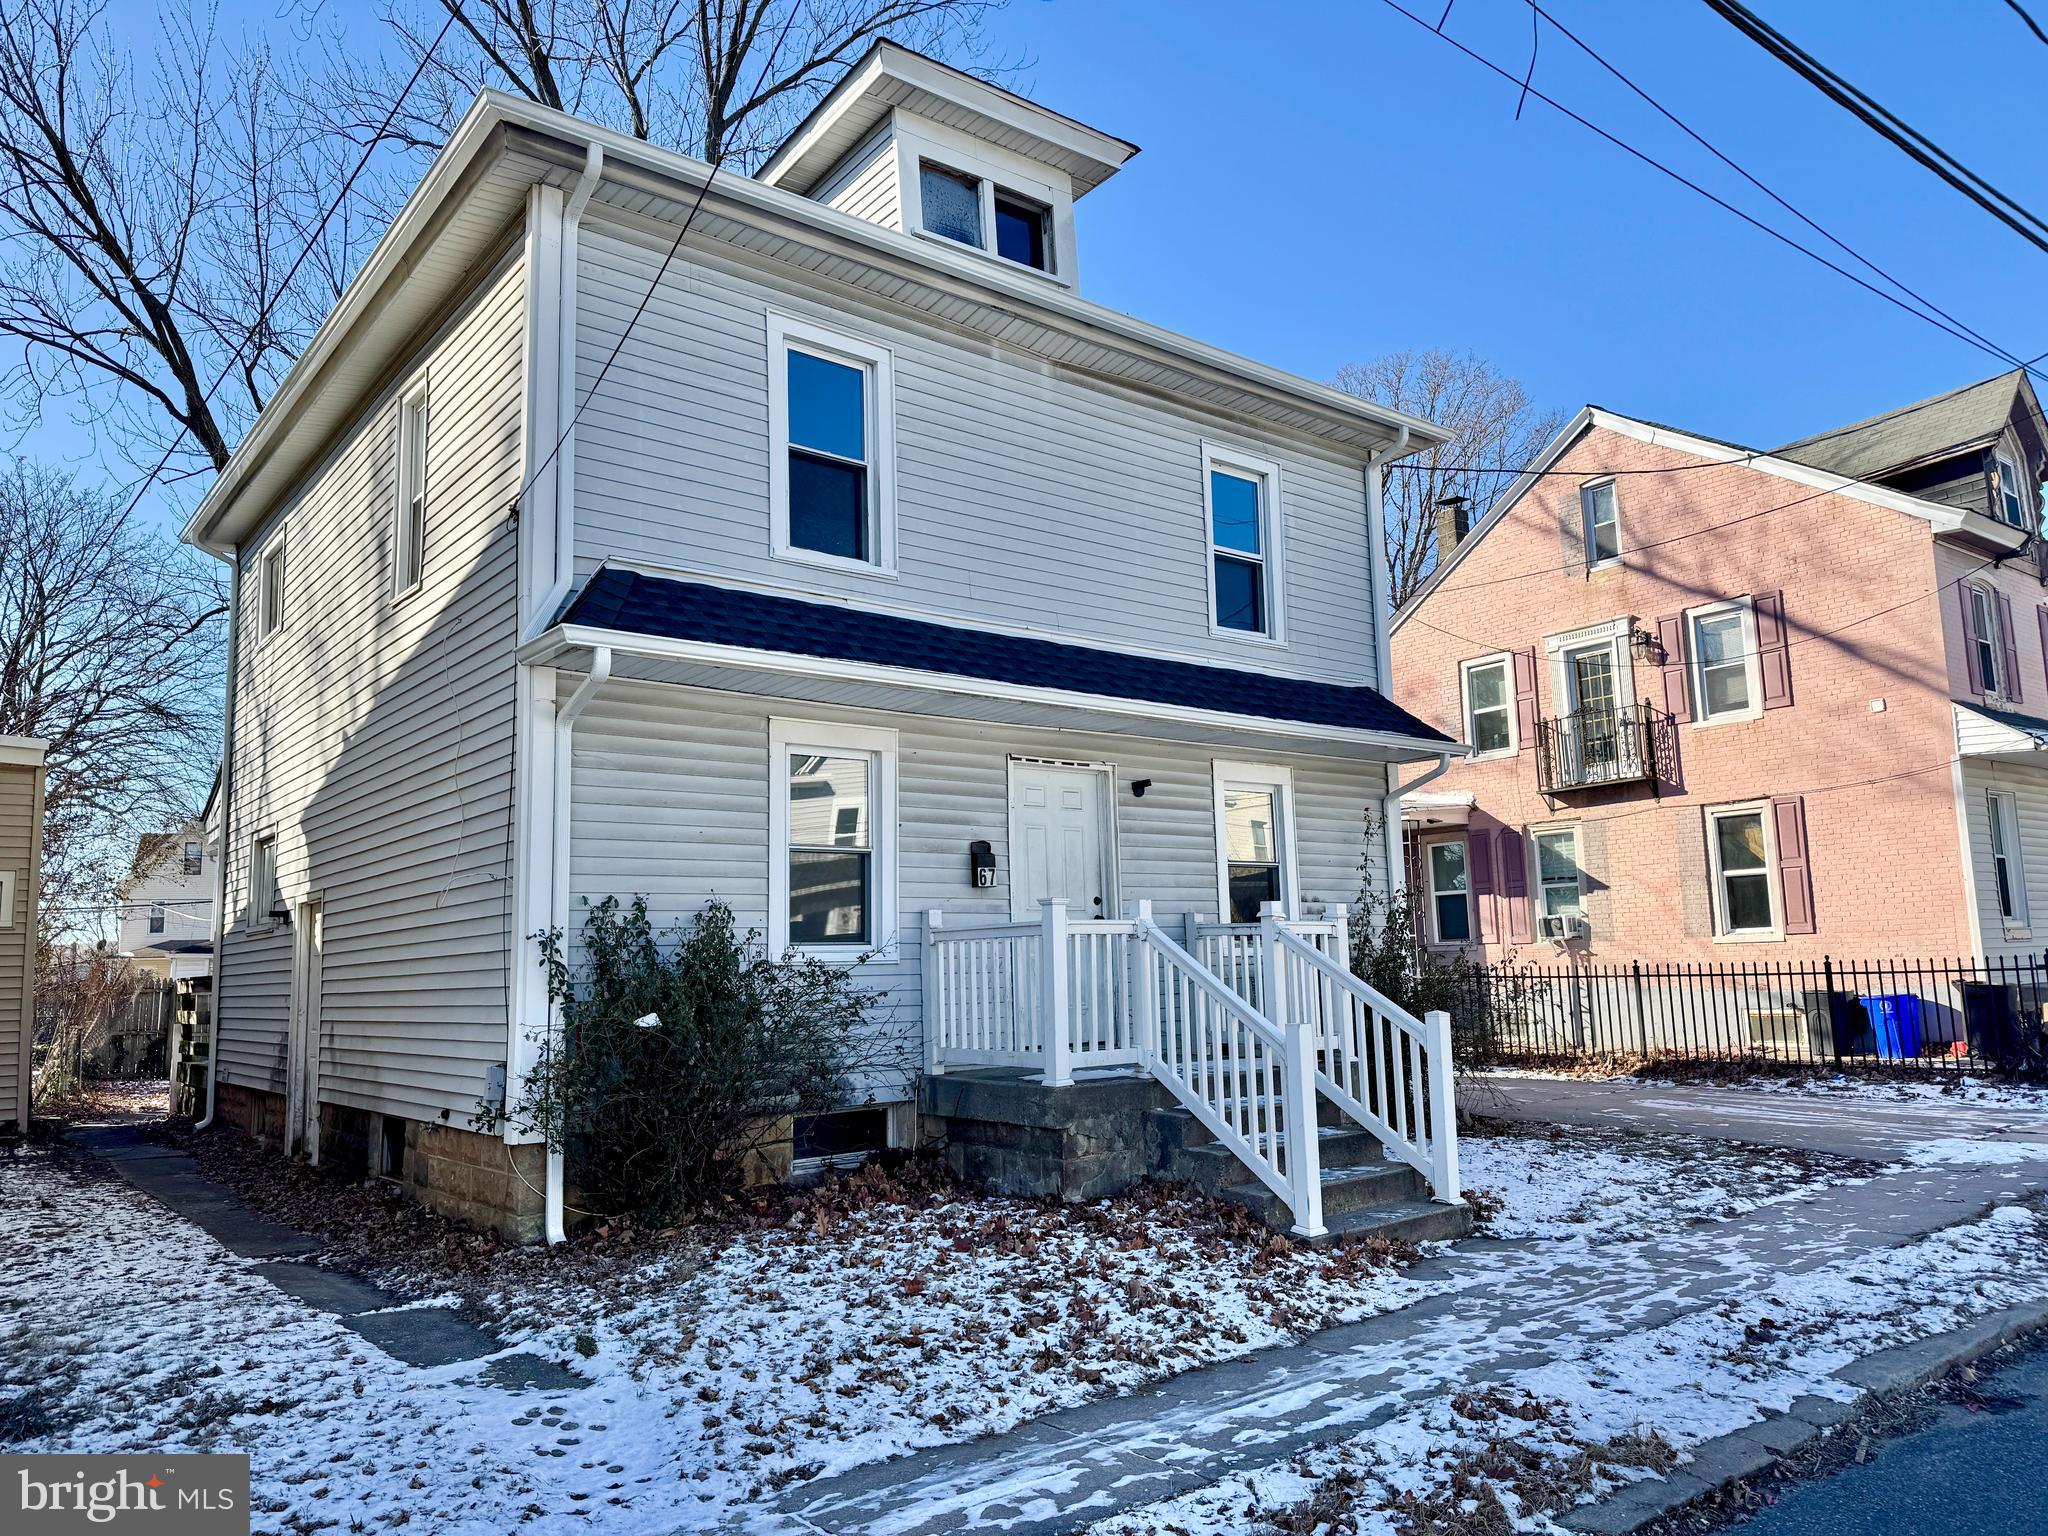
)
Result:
{"points": [[1913, 432], [687, 610]]}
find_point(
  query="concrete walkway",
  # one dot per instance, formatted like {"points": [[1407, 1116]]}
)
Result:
{"points": [[416, 1335], [1497, 1308], [1853, 1125]]}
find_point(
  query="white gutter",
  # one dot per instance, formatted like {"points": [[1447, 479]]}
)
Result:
{"points": [[565, 730], [220, 872]]}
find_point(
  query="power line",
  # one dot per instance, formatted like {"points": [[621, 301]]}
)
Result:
{"points": [[2033, 26], [1693, 186], [1887, 124]]}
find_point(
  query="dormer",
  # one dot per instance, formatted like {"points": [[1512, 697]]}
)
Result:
{"points": [[918, 146]]}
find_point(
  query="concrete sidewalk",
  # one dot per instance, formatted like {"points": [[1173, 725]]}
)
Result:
{"points": [[1497, 1308]]}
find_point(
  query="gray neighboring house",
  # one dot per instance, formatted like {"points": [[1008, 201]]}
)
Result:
{"points": [[21, 843], [842, 563]]}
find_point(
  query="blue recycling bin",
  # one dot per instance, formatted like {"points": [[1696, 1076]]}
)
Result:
{"points": [[1895, 1022]]}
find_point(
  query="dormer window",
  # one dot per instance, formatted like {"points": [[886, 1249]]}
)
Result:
{"points": [[2011, 501], [977, 212]]}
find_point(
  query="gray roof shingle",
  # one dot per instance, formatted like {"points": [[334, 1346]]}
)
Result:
{"points": [[1913, 433]]}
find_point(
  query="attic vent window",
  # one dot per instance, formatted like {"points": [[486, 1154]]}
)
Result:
{"points": [[975, 211]]}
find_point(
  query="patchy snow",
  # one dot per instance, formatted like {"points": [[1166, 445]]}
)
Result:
{"points": [[1627, 1405], [1946, 1087], [1601, 1185], [1967, 1151]]}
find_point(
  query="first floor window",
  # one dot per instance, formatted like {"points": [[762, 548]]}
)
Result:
{"points": [[1603, 522], [1557, 873], [829, 409], [834, 826], [1241, 545], [2006, 869], [1489, 711], [1985, 638], [1254, 847], [263, 890], [1738, 844], [1449, 899]]}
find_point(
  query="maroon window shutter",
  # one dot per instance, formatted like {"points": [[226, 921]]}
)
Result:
{"points": [[1671, 640], [2041, 613], [1774, 657], [1525, 696], [1795, 875], [1514, 887], [1970, 643], [1479, 855], [2009, 649]]}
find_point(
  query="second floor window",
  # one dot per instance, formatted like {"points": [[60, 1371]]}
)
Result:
{"points": [[270, 590], [156, 919], [2011, 503], [1603, 523], [1489, 708], [1986, 646], [1724, 661], [410, 533], [1242, 546], [194, 858], [830, 478], [264, 899]]}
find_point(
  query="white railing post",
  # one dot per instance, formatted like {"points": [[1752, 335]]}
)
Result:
{"points": [[1144, 986], [1443, 1108], [1304, 1159], [1052, 980], [934, 1014]]}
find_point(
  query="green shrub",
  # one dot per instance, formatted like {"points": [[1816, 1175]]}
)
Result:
{"points": [[679, 1054]]}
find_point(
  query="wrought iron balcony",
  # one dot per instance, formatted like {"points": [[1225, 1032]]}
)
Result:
{"points": [[1593, 748]]}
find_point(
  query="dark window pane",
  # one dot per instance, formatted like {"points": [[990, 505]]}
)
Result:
{"points": [[952, 205], [828, 509], [1240, 595], [1490, 730], [827, 406], [1234, 511], [1453, 924], [1020, 231], [842, 1132], [828, 897], [1251, 884], [1749, 902]]}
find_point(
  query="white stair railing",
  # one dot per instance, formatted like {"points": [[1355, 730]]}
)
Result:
{"points": [[1388, 1070], [1247, 1078]]}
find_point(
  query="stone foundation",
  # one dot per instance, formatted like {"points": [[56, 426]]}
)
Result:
{"points": [[1011, 1135]]}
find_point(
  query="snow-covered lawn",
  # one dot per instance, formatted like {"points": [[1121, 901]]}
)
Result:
{"points": [[1601, 1185]]}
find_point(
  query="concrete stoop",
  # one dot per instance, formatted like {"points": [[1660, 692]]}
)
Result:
{"points": [[1010, 1134]]}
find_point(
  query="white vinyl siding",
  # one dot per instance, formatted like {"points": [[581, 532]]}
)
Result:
{"points": [[17, 932], [865, 184], [1025, 496], [672, 801], [375, 739]]}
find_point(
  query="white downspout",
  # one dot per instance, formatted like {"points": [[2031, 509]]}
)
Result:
{"points": [[220, 872], [563, 446], [1390, 813], [565, 732]]}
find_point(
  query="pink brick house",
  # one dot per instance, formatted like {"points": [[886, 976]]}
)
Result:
{"points": [[1728, 705]]}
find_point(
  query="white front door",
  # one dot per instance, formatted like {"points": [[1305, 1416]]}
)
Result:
{"points": [[302, 1060], [1060, 843]]}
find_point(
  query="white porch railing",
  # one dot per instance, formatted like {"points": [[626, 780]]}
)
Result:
{"points": [[1244, 1058]]}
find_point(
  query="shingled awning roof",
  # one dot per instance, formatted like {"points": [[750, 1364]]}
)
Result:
{"points": [[619, 599], [1914, 433]]}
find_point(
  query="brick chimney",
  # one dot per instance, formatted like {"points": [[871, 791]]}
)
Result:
{"points": [[1453, 522]]}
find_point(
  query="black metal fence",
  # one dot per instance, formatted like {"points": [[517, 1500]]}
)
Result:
{"points": [[1963, 1015]]}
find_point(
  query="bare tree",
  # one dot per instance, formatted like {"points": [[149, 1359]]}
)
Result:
{"points": [[1494, 429], [723, 79], [110, 652], [151, 221]]}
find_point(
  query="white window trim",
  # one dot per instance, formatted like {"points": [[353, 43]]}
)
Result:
{"points": [[1614, 634], [1752, 663], [1535, 855], [1272, 541], [914, 148], [1993, 680], [2002, 813], [834, 739], [786, 332], [253, 913], [1429, 893], [1586, 523], [412, 404], [9, 881], [1722, 935], [2007, 457], [269, 615], [1506, 663], [1230, 775]]}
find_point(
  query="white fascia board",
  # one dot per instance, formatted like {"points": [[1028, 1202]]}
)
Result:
{"points": [[23, 751], [682, 175], [546, 650], [1943, 519]]}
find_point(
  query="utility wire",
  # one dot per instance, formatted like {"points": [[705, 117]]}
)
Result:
{"points": [[2033, 26], [1887, 124]]}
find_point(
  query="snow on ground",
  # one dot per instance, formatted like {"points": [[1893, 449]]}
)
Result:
{"points": [[1944, 1086], [1625, 1406], [1601, 1185]]}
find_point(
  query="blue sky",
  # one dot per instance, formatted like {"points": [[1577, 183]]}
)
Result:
{"points": [[1320, 183]]}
